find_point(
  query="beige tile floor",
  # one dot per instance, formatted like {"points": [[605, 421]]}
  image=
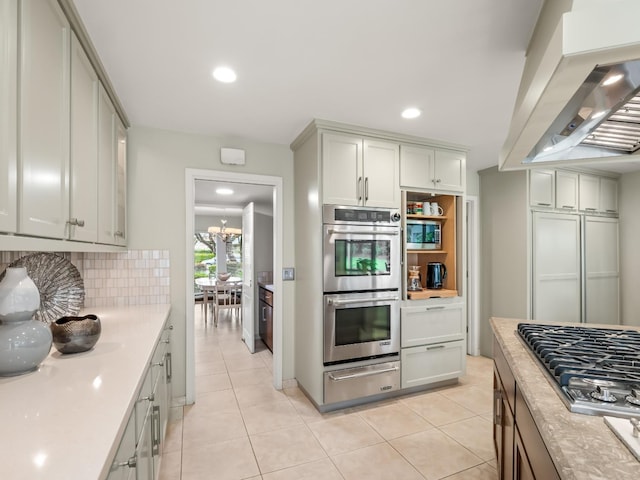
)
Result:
{"points": [[242, 428]]}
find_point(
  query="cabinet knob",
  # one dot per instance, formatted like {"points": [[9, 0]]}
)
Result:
{"points": [[76, 222], [131, 463], [438, 180], [118, 234], [150, 398]]}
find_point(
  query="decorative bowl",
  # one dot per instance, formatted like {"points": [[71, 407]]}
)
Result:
{"points": [[76, 334], [223, 277]]}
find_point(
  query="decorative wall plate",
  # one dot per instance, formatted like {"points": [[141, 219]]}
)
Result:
{"points": [[59, 283]]}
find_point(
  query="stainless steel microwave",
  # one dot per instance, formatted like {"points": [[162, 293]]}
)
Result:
{"points": [[423, 234]]}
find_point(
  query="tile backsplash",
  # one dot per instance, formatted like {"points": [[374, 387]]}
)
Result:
{"points": [[135, 277]]}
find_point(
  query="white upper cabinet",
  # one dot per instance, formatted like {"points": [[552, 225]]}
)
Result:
{"points": [[44, 119], [430, 169], [107, 154], [8, 76], [358, 171], [566, 190], [598, 194], [121, 185], [448, 171], [542, 188], [83, 188], [608, 195], [381, 174]]}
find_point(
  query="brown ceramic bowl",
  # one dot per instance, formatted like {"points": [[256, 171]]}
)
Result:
{"points": [[223, 277], [75, 334]]}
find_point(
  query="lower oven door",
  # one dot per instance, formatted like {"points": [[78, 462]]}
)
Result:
{"points": [[358, 326], [358, 382]]}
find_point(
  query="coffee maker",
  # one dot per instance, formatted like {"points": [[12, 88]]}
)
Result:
{"points": [[415, 279], [436, 275]]}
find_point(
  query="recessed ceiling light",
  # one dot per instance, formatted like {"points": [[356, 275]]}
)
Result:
{"points": [[224, 75], [612, 79], [224, 191], [411, 112]]}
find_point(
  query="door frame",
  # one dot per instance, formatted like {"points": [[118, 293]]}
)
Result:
{"points": [[472, 275], [191, 175]]}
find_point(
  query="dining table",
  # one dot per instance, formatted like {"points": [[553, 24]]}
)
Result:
{"points": [[209, 285]]}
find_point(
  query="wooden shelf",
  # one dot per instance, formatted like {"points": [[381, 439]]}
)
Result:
{"points": [[425, 294], [426, 251], [426, 217]]}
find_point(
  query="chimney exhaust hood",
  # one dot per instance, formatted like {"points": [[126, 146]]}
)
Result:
{"points": [[579, 98]]}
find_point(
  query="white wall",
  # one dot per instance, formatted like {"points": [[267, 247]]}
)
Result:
{"points": [[629, 252], [157, 160], [473, 183]]}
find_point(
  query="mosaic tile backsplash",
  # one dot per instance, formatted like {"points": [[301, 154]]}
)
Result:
{"points": [[136, 277]]}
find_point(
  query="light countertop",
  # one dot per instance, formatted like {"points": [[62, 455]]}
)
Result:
{"points": [[64, 420], [267, 286], [582, 446]]}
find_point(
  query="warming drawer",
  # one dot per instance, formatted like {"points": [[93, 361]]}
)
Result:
{"points": [[358, 382]]}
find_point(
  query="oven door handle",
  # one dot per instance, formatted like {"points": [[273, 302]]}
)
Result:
{"points": [[338, 303], [333, 231], [363, 374]]}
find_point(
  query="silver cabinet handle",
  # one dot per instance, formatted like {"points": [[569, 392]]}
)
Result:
{"points": [[118, 234], [569, 206], [150, 398], [497, 399], [361, 232], [360, 375], [131, 463], [155, 431], [591, 209], [435, 347], [76, 222], [543, 204], [439, 307], [366, 189], [359, 187]]}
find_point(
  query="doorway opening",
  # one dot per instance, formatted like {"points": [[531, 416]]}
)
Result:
{"points": [[275, 183]]}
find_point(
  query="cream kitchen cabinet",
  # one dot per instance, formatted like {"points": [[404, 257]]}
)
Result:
{"points": [[43, 115], [566, 190], [8, 115], [598, 194], [83, 184], [432, 341], [359, 171], [111, 173], [431, 169], [542, 188]]}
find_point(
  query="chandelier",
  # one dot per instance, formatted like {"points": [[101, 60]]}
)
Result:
{"points": [[226, 234]]}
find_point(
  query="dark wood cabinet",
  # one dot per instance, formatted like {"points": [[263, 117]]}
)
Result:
{"points": [[520, 450], [265, 327]]}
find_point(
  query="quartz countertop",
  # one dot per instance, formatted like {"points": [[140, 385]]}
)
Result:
{"points": [[267, 286], [582, 446], [64, 420]]}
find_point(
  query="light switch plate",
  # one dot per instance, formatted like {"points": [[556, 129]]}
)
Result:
{"points": [[288, 273]]}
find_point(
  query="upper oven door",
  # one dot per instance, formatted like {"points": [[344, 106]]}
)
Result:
{"points": [[361, 257]]}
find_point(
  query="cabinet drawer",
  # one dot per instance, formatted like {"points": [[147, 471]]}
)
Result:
{"points": [[358, 382], [431, 324], [432, 363], [505, 375]]}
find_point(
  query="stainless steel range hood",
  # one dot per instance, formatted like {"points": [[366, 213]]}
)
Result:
{"points": [[579, 98]]}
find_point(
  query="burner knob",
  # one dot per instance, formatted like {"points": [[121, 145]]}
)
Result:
{"points": [[604, 395]]}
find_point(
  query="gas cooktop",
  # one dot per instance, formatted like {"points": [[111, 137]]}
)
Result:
{"points": [[597, 370]]}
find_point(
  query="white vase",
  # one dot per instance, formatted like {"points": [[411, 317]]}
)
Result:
{"points": [[19, 296], [24, 342]]}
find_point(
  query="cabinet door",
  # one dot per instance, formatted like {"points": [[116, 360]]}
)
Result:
{"points": [[556, 267], [144, 448], [608, 195], [602, 272], [83, 195], [381, 174], [120, 206], [566, 190], [8, 115], [448, 170], [431, 324], [541, 188], [124, 463], [342, 175], [503, 430], [106, 168], [44, 119], [432, 363], [522, 467], [589, 193], [416, 167]]}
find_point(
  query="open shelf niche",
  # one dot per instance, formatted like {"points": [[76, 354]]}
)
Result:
{"points": [[446, 255]]}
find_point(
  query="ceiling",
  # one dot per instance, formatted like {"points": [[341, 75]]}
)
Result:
{"points": [[358, 61], [208, 202]]}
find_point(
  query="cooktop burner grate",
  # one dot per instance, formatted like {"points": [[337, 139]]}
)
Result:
{"points": [[586, 362]]}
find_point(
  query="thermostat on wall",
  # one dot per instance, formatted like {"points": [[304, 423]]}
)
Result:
{"points": [[232, 156]]}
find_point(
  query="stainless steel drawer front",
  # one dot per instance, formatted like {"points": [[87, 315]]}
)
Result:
{"points": [[358, 382]]}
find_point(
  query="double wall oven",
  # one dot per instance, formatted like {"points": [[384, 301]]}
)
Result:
{"points": [[361, 283]]}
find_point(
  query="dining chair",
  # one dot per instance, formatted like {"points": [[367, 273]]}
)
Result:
{"points": [[226, 298]]}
